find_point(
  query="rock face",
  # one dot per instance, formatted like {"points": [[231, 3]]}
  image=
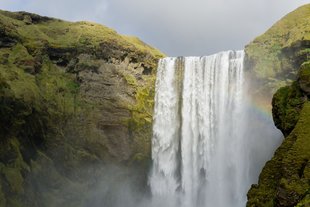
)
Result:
{"points": [[283, 54], [72, 96]]}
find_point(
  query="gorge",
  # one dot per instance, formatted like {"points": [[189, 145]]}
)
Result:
{"points": [[89, 117]]}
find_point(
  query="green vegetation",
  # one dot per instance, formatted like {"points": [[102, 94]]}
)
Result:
{"points": [[274, 55], [290, 30], [62, 34], [284, 180], [130, 79], [72, 94], [286, 105], [278, 58], [142, 119]]}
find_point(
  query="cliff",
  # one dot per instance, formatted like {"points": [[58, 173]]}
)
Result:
{"points": [[273, 58], [73, 95], [283, 55]]}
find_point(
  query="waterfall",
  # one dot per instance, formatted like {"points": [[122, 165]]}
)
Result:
{"points": [[200, 150]]}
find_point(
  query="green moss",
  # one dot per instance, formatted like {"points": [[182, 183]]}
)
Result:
{"points": [[140, 123], [19, 53], [305, 71], [286, 104], [305, 202], [59, 89], [36, 100], [285, 179], [304, 52], [43, 98], [130, 79]]}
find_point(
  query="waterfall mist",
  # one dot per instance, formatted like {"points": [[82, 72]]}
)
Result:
{"points": [[209, 143]]}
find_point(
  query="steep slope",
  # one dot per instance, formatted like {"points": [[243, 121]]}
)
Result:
{"points": [[72, 96], [283, 54], [275, 56]]}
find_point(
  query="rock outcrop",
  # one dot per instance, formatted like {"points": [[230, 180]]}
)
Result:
{"points": [[73, 96]]}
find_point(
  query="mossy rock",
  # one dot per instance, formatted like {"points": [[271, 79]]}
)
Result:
{"points": [[73, 95], [284, 180], [287, 103], [304, 77], [304, 202]]}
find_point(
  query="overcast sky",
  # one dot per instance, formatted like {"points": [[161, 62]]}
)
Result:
{"points": [[176, 27]]}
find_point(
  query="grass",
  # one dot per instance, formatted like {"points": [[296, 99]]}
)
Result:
{"points": [[63, 34], [266, 49]]}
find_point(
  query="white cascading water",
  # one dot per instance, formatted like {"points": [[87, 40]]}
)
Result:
{"points": [[199, 149]]}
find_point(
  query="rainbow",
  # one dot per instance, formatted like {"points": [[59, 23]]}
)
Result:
{"points": [[260, 107]]}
